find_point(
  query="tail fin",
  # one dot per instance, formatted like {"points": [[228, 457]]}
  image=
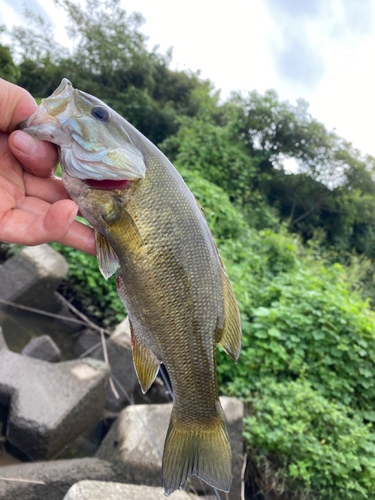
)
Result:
{"points": [[203, 450]]}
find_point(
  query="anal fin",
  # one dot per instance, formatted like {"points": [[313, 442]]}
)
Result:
{"points": [[107, 258], [145, 362], [230, 333]]}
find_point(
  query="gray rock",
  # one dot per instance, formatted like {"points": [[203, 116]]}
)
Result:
{"points": [[50, 404], [135, 442], [121, 334], [31, 277], [121, 362], [58, 476], [44, 348], [96, 490]]}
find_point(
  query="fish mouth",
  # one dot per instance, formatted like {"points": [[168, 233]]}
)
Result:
{"points": [[107, 184]]}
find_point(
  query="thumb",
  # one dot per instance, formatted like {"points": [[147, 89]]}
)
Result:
{"points": [[16, 104]]}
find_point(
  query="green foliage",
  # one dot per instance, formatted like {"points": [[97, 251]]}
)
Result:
{"points": [[219, 155], [304, 446], [8, 69], [301, 320], [224, 220], [278, 128]]}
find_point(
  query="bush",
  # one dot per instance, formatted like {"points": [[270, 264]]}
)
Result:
{"points": [[305, 322], [224, 219], [304, 446]]}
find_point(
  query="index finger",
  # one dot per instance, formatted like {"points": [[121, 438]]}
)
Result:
{"points": [[16, 104]]}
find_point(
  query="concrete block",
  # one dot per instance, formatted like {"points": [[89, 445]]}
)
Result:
{"points": [[121, 362], [31, 277], [50, 480], [50, 404], [96, 490], [121, 334], [135, 442], [44, 348]]}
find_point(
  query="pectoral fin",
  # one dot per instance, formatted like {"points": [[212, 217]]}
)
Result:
{"points": [[122, 223], [130, 227], [145, 362], [107, 258], [230, 334]]}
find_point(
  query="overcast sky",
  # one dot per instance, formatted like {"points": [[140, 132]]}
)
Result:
{"points": [[321, 50]]}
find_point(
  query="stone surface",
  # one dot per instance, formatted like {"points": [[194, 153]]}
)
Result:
{"points": [[121, 334], [50, 404], [44, 348], [121, 362], [135, 442], [31, 277], [58, 476], [96, 490]]}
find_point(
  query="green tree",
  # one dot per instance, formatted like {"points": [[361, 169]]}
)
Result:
{"points": [[8, 68], [110, 59]]}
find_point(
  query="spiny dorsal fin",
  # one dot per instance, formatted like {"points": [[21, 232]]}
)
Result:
{"points": [[200, 207], [145, 362], [107, 258], [230, 335]]}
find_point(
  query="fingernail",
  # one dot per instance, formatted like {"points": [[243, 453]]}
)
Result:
{"points": [[25, 143], [72, 216]]}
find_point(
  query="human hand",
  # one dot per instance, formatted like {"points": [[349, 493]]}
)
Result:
{"points": [[34, 206]]}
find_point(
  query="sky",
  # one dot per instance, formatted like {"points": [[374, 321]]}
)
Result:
{"points": [[320, 50]]}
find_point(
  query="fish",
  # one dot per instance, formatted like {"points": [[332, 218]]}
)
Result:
{"points": [[151, 230]]}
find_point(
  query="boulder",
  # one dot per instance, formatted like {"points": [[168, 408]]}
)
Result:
{"points": [[135, 442], [121, 334], [50, 404], [96, 490], [44, 348], [50, 480], [121, 363], [30, 277]]}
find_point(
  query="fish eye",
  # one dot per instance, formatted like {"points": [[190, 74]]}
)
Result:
{"points": [[100, 113]]}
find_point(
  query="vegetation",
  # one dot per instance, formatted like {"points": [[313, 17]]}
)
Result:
{"points": [[299, 248]]}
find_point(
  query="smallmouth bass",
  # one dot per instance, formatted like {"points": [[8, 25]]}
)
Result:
{"points": [[171, 278]]}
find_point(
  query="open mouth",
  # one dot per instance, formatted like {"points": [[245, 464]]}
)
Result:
{"points": [[107, 184]]}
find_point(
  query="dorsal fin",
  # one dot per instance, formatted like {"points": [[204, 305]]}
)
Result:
{"points": [[145, 362], [107, 258], [200, 207], [230, 334]]}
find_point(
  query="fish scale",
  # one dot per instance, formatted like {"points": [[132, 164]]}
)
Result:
{"points": [[171, 278]]}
